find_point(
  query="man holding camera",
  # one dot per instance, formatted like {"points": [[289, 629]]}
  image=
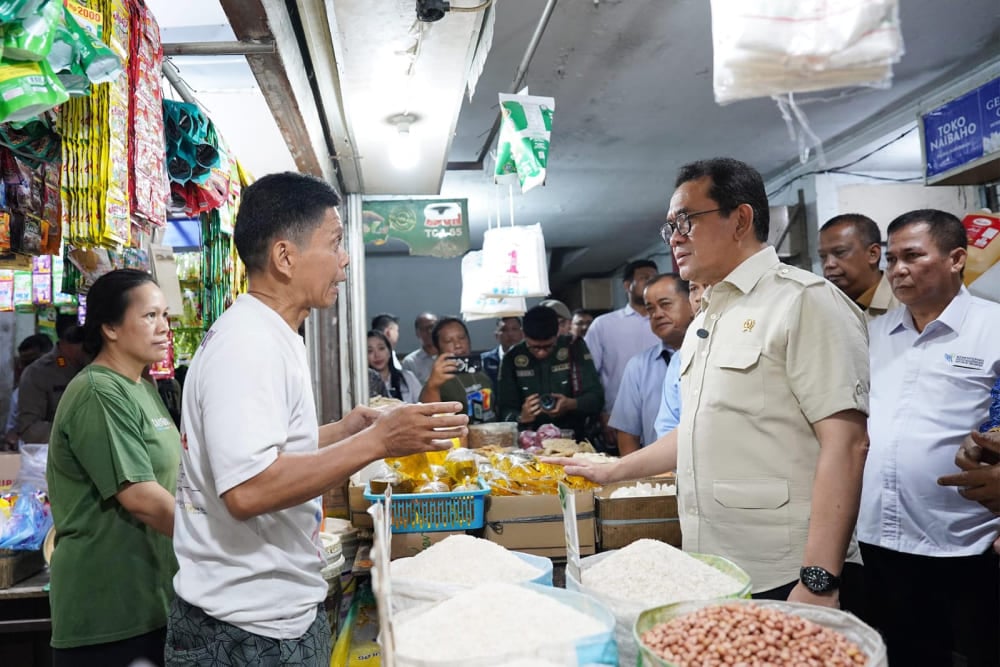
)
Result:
{"points": [[458, 376], [548, 378]]}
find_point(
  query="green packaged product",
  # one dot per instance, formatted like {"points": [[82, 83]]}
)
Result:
{"points": [[97, 59], [526, 127], [14, 10], [32, 38], [27, 89]]}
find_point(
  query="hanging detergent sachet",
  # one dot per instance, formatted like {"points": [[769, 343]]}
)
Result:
{"points": [[525, 131]]}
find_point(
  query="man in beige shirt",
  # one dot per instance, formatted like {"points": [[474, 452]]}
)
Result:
{"points": [[770, 450], [850, 249]]}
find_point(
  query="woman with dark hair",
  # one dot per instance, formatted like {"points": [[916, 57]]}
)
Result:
{"points": [[401, 384], [112, 470]]}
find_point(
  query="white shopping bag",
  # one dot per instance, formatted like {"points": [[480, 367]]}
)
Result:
{"points": [[514, 262], [475, 306]]}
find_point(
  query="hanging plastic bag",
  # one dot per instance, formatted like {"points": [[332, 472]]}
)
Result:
{"points": [[514, 262], [475, 306], [525, 131], [764, 48]]}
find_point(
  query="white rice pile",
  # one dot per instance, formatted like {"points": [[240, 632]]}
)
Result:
{"points": [[643, 490], [656, 573], [491, 620], [464, 560]]}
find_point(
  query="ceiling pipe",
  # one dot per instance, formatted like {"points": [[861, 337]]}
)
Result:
{"points": [[218, 48], [519, 76]]}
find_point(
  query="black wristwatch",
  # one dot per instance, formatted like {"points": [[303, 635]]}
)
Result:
{"points": [[818, 580]]}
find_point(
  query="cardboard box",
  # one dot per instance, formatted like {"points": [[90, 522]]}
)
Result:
{"points": [[622, 521], [10, 464], [358, 507], [335, 502], [405, 545], [534, 524]]}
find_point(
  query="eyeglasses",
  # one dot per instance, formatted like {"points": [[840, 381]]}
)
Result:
{"points": [[681, 224]]}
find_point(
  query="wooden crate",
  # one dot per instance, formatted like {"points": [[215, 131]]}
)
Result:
{"points": [[17, 566], [622, 521]]}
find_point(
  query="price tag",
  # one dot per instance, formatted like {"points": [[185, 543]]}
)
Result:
{"points": [[568, 501]]}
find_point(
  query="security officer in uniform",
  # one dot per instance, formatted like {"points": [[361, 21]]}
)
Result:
{"points": [[548, 378], [43, 382]]}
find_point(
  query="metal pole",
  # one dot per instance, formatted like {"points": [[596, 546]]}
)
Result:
{"points": [[522, 71], [174, 77], [353, 327], [218, 48]]}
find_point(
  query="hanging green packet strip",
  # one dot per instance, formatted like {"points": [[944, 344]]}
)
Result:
{"points": [[528, 123], [99, 62], [14, 10], [32, 38], [28, 89]]}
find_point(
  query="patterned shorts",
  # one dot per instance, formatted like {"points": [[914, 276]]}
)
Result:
{"points": [[195, 639]]}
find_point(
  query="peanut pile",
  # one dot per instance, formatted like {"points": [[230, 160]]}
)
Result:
{"points": [[747, 635]]}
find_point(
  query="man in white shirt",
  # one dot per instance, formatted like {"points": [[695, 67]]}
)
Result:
{"points": [[254, 463], [618, 336], [421, 362], [930, 570]]}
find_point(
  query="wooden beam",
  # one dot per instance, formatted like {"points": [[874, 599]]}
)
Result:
{"points": [[284, 81]]}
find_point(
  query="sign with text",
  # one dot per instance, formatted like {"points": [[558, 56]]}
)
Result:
{"points": [[963, 130], [433, 227]]}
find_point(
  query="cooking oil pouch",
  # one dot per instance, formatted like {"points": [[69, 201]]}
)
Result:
{"points": [[31, 40], [27, 90], [528, 121]]}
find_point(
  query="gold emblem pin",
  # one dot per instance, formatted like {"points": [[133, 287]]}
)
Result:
{"points": [[748, 325]]}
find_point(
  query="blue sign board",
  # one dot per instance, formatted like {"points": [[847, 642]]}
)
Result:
{"points": [[962, 130]]}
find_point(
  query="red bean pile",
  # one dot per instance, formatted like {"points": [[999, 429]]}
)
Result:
{"points": [[748, 635]]}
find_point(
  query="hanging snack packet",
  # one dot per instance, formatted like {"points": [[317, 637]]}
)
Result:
{"points": [[32, 39], [99, 62], [28, 89], [13, 10], [528, 120]]}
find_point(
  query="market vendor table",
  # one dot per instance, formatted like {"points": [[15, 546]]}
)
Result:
{"points": [[25, 623]]}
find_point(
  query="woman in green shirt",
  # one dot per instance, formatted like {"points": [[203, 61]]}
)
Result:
{"points": [[112, 470]]}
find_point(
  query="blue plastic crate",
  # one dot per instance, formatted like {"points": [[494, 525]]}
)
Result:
{"points": [[432, 512]]}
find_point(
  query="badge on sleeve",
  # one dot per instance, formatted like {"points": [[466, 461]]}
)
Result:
{"points": [[521, 361], [562, 354]]}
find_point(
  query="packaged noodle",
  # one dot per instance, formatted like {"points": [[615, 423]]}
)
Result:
{"points": [[526, 127]]}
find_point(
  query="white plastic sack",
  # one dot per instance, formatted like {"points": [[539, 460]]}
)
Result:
{"points": [[772, 47], [475, 306], [514, 262]]}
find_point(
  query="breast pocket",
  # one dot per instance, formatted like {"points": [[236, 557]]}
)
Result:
{"points": [[754, 515], [738, 379]]}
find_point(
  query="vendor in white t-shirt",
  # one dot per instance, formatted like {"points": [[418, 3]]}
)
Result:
{"points": [[252, 473]]}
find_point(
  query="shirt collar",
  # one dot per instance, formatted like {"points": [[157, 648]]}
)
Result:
{"points": [[882, 299], [745, 276], [500, 352], [630, 311], [951, 317]]}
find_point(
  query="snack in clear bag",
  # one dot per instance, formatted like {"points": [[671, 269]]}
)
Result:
{"points": [[434, 486], [461, 464]]}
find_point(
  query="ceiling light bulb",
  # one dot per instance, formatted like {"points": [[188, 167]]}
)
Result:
{"points": [[403, 148]]}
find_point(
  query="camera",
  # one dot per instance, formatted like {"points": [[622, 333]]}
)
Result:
{"points": [[547, 401], [467, 364]]}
